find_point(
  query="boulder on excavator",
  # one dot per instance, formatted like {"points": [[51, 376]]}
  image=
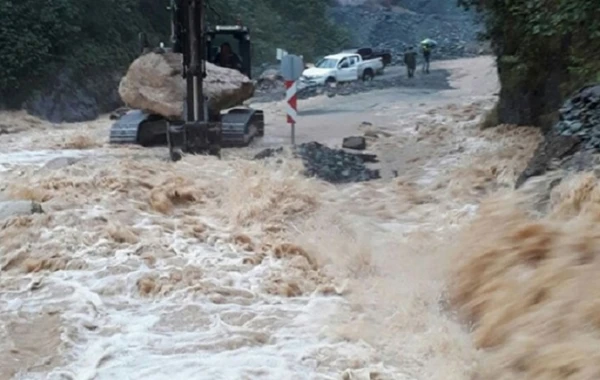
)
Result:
{"points": [[166, 104], [156, 90], [154, 84]]}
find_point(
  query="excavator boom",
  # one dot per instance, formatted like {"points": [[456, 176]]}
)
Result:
{"points": [[197, 134]]}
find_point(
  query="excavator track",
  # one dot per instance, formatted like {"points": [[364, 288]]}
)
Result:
{"points": [[240, 125], [138, 127], [125, 129]]}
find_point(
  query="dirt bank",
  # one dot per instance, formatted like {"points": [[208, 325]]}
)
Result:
{"points": [[529, 286]]}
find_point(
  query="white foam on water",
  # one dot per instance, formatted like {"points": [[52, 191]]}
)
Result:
{"points": [[37, 158], [281, 339]]}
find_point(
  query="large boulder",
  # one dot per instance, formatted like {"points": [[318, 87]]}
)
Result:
{"points": [[154, 83], [10, 208], [354, 142]]}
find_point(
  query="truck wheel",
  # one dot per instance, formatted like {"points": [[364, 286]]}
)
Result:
{"points": [[330, 82], [260, 129], [368, 75]]}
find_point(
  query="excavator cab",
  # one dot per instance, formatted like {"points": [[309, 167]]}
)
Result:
{"points": [[237, 37]]}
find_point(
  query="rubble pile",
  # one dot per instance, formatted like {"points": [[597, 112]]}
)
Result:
{"points": [[580, 116], [270, 80], [438, 79], [332, 165], [274, 90]]}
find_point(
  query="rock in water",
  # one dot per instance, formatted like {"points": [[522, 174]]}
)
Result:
{"points": [[18, 208], [154, 83], [354, 142], [59, 163]]}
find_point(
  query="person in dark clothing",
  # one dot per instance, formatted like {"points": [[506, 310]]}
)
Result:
{"points": [[410, 60], [227, 58], [426, 56]]}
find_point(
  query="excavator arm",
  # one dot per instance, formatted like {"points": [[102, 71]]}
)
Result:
{"points": [[188, 39], [197, 134]]}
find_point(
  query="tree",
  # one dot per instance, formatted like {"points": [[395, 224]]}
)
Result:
{"points": [[93, 38], [546, 50]]}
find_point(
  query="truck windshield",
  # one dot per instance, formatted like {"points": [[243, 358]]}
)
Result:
{"points": [[326, 63]]}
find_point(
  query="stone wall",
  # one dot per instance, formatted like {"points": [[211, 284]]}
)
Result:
{"points": [[66, 99]]}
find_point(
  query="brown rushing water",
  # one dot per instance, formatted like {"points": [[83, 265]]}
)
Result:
{"points": [[234, 269]]}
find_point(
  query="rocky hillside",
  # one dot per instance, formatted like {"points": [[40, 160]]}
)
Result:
{"points": [[395, 24]]}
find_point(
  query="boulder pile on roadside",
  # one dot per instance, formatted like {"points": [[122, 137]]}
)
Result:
{"points": [[270, 80], [573, 143], [580, 116], [332, 165], [274, 90]]}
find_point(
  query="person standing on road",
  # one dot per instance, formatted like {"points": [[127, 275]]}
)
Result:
{"points": [[410, 60], [426, 57]]}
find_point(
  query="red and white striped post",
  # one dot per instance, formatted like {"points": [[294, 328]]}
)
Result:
{"points": [[291, 69], [291, 105]]}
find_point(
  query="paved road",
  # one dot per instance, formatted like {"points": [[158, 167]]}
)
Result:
{"points": [[328, 119]]}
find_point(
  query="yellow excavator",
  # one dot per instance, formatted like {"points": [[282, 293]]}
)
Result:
{"points": [[198, 131]]}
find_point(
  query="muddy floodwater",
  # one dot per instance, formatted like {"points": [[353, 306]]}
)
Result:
{"points": [[237, 269]]}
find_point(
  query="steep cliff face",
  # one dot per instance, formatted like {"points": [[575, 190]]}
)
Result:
{"points": [[396, 24], [529, 96]]}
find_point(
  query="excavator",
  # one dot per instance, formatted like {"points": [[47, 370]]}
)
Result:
{"points": [[198, 131]]}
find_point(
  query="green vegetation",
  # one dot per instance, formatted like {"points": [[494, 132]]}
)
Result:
{"points": [[87, 36], [96, 37], [546, 49]]}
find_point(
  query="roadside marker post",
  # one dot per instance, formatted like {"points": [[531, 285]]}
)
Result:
{"points": [[291, 69], [291, 106]]}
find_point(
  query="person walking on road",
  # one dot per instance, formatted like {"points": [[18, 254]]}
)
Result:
{"points": [[426, 57], [410, 60]]}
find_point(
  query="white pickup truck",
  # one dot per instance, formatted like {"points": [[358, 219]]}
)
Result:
{"points": [[341, 67]]}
